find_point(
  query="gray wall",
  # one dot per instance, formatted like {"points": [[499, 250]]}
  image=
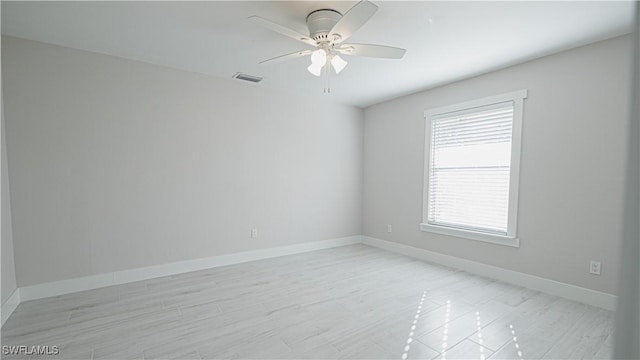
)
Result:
{"points": [[572, 165], [7, 266], [117, 164], [627, 340]]}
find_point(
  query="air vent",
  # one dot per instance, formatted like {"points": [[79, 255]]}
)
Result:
{"points": [[245, 77]]}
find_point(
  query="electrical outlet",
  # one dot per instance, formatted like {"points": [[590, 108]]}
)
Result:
{"points": [[595, 267], [254, 233], [389, 228]]}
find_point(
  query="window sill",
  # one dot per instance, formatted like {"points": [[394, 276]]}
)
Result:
{"points": [[472, 235]]}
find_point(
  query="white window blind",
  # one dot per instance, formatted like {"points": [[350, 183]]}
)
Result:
{"points": [[470, 167]]}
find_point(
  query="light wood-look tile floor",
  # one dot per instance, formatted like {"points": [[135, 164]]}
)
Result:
{"points": [[352, 302]]}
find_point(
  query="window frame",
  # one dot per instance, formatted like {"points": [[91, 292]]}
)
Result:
{"points": [[511, 238]]}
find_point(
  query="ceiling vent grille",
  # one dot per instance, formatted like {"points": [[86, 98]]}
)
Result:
{"points": [[245, 77]]}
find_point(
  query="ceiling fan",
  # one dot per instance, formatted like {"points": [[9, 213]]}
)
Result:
{"points": [[328, 29]]}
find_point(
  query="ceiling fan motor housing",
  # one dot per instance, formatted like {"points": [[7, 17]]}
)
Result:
{"points": [[320, 22]]}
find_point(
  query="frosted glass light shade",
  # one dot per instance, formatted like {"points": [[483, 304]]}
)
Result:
{"points": [[318, 60], [315, 69], [338, 63], [319, 57]]}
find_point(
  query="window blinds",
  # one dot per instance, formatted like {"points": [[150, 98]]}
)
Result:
{"points": [[469, 168]]}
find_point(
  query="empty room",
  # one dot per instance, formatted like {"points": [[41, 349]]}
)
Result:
{"points": [[320, 180]]}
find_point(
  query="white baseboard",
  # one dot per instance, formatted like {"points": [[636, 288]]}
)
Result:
{"points": [[572, 292], [39, 291], [61, 287], [9, 306]]}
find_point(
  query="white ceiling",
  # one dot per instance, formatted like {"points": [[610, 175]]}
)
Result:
{"points": [[445, 41]]}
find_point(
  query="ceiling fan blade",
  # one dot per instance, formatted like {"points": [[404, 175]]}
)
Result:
{"points": [[287, 56], [282, 30], [370, 50], [352, 21]]}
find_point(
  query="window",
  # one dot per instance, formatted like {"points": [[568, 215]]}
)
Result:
{"points": [[472, 157]]}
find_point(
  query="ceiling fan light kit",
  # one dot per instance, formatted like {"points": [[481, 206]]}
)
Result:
{"points": [[327, 30], [319, 60]]}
